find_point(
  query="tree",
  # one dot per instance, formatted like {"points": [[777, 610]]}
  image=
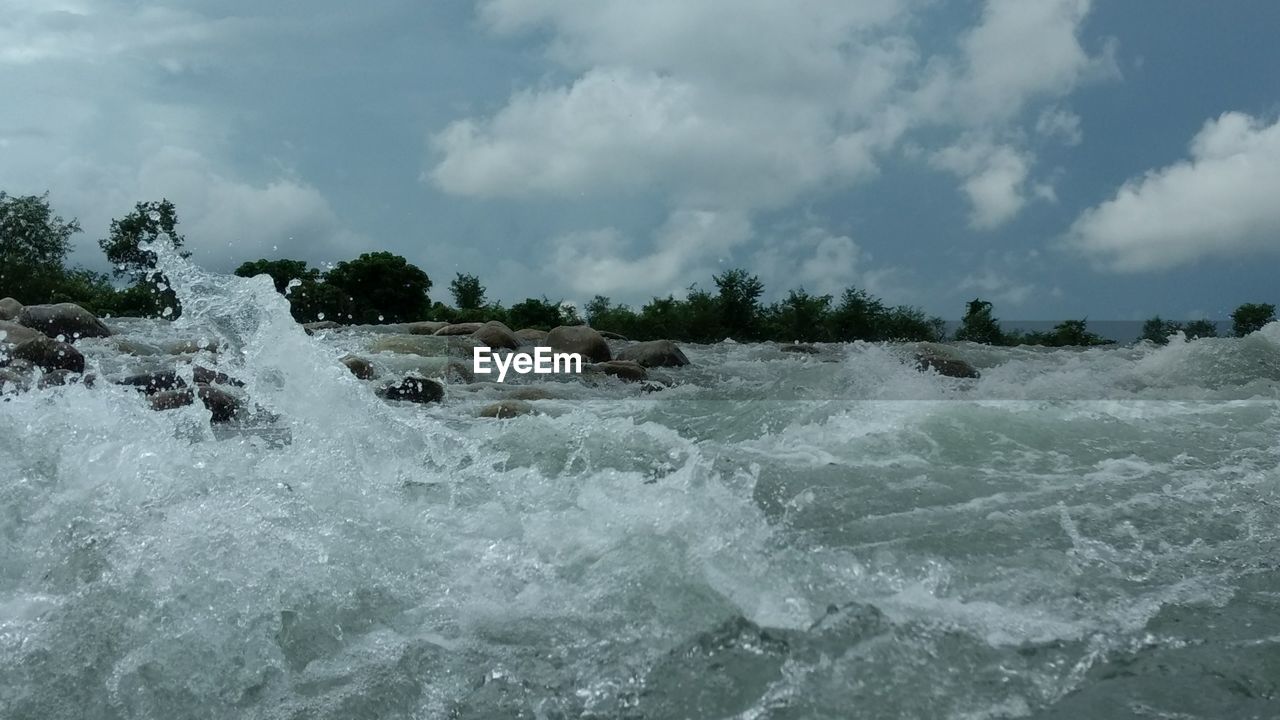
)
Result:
{"points": [[1200, 329], [468, 293], [1251, 317], [310, 298], [151, 294], [910, 324], [801, 317], [860, 316], [380, 287], [538, 313], [979, 326], [1158, 331], [124, 245], [739, 302], [1069, 333], [34, 243]]}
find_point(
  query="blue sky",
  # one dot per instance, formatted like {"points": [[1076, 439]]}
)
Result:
{"points": [[1063, 158]]}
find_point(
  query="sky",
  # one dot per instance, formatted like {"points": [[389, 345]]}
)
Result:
{"points": [[1111, 159]]}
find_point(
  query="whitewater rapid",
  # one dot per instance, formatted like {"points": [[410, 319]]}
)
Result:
{"points": [[1078, 533]]}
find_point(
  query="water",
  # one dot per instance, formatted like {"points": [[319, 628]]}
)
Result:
{"points": [[1076, 534]]}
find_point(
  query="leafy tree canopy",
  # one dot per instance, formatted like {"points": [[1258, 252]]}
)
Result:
{"points": [[34, 243], [1251, 317], [381, 287]]}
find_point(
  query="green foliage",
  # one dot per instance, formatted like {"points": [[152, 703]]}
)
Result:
{"points": [[126, 251], [379, 287], [1070, 333], [1200, 329], [1251, 317], [979, 326], [1158, 331], [310, 298], [859, 316], [800, 316], [603, 314], [540, 314], [739, 303], [468, 293], [34, 243]]}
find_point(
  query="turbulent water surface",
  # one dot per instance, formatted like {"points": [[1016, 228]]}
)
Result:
{"points": [[1076, 534]]}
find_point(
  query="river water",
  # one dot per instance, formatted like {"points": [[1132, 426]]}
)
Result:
{"points": [[1077, 534]]}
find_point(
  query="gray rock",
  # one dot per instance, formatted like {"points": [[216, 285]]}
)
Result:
{"points": [[946, 366], [204, 376], [10, 309], [458, 329], [531, 336], [424, 327], [14, 334], [505, 409], [222, 405], [361, 368], [623, 370], [13, 381], [579, 339], [655, 353], [66, 319], [312, 328], [496, 335], [413, 389], [49, 354], [154, 382]]}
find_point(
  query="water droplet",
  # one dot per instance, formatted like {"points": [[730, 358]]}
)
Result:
{"points": [[319, 316], [379, 318], [167, 312]]}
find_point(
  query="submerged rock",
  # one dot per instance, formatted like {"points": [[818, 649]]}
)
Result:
{"points": [[188, 347], [361, 368], [13, 381], [424, 327], [59, 378], [496, 335], [655, 353], [66, 319], [49, 354], [312, 328], [530, 393], [943, 365], [222, 405], [623, 369], [579, 339], [10, 309], [426, 346], [505, 409], [14, 334], [413, 389], [205, 376], [154, 382]]}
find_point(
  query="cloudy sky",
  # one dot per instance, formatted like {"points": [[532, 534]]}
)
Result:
{"points": [[1114, 158]]}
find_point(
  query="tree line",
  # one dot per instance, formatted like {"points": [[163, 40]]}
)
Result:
{"points": [[382, 287]]}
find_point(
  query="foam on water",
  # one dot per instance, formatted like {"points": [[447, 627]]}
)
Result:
{"points": [[1076, 533]]}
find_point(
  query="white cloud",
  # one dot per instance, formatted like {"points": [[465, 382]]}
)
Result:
{"points": [[994, 179], [1220, 202], [753, 105], [688, 248], [996, 286]]}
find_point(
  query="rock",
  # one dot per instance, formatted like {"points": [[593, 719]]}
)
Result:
{"points": [[459, 372], [424, 345], [611, 335], [458, 329], [946, 366], [222, 405], [531, 336], [361, 368], [66, 319], [505, 409], [655, 353], [413, 389], [312, 328], [58, 378], [579, 339], [136, 348], [623, 369], [13, 382], [424, 327], [204, 376], [154, 382], [800, 348], [49, 354], [10, 309], [496, 335], [14, 334]]}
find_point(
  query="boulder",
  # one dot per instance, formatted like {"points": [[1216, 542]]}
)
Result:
{"points": [[204, 376], [49, 354], [424, 327], [531, 337], [655, 353], [58, 378], [188, 347], [154, 382], [611, 335], [222, 405], [946, 366], [623, 369], [361, 368], [529, 392], [10, 309], [800, 348], [413, 389], [426, 346], [458, 329], [496, 335], [136, 348], [505, 409], [66, 319], [15, 334], [579, 339], [13, 382]]}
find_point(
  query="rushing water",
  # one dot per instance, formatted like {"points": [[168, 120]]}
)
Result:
{"points": [[1076, 534]]}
